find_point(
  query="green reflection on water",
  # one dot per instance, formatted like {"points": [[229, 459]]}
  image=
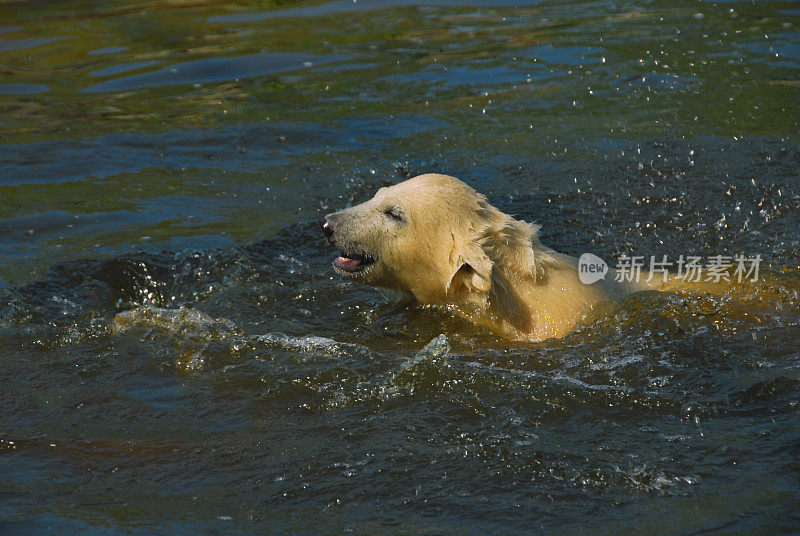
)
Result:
{"points": [[725, 72]]}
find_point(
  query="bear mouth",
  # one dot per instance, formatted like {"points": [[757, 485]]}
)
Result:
{"points": [[352, 263]]}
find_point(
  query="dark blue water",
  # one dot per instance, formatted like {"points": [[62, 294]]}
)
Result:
{"points": [[177, 356]]}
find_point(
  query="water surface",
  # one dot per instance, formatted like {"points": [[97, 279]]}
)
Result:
{"points": [[177, 357]]}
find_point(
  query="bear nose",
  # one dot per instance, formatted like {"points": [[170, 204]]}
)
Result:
{"points": [[327, 228]]}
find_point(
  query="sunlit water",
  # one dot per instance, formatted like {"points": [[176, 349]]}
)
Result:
{"points": [[177, 356]]}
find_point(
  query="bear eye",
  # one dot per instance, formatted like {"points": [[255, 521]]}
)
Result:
{"points": [[395, 213]]}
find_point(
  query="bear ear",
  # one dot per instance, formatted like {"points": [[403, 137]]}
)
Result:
{"points": [[473, 280], [473, 271]]}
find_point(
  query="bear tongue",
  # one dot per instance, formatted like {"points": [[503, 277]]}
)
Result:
{"points": [[346, 263]]}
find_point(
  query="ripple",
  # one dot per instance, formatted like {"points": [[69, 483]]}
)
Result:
{"points": [[348, 6], [23, 89], [215, 69]]}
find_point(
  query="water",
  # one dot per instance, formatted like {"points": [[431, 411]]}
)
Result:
{"points": [[178, 357]]}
